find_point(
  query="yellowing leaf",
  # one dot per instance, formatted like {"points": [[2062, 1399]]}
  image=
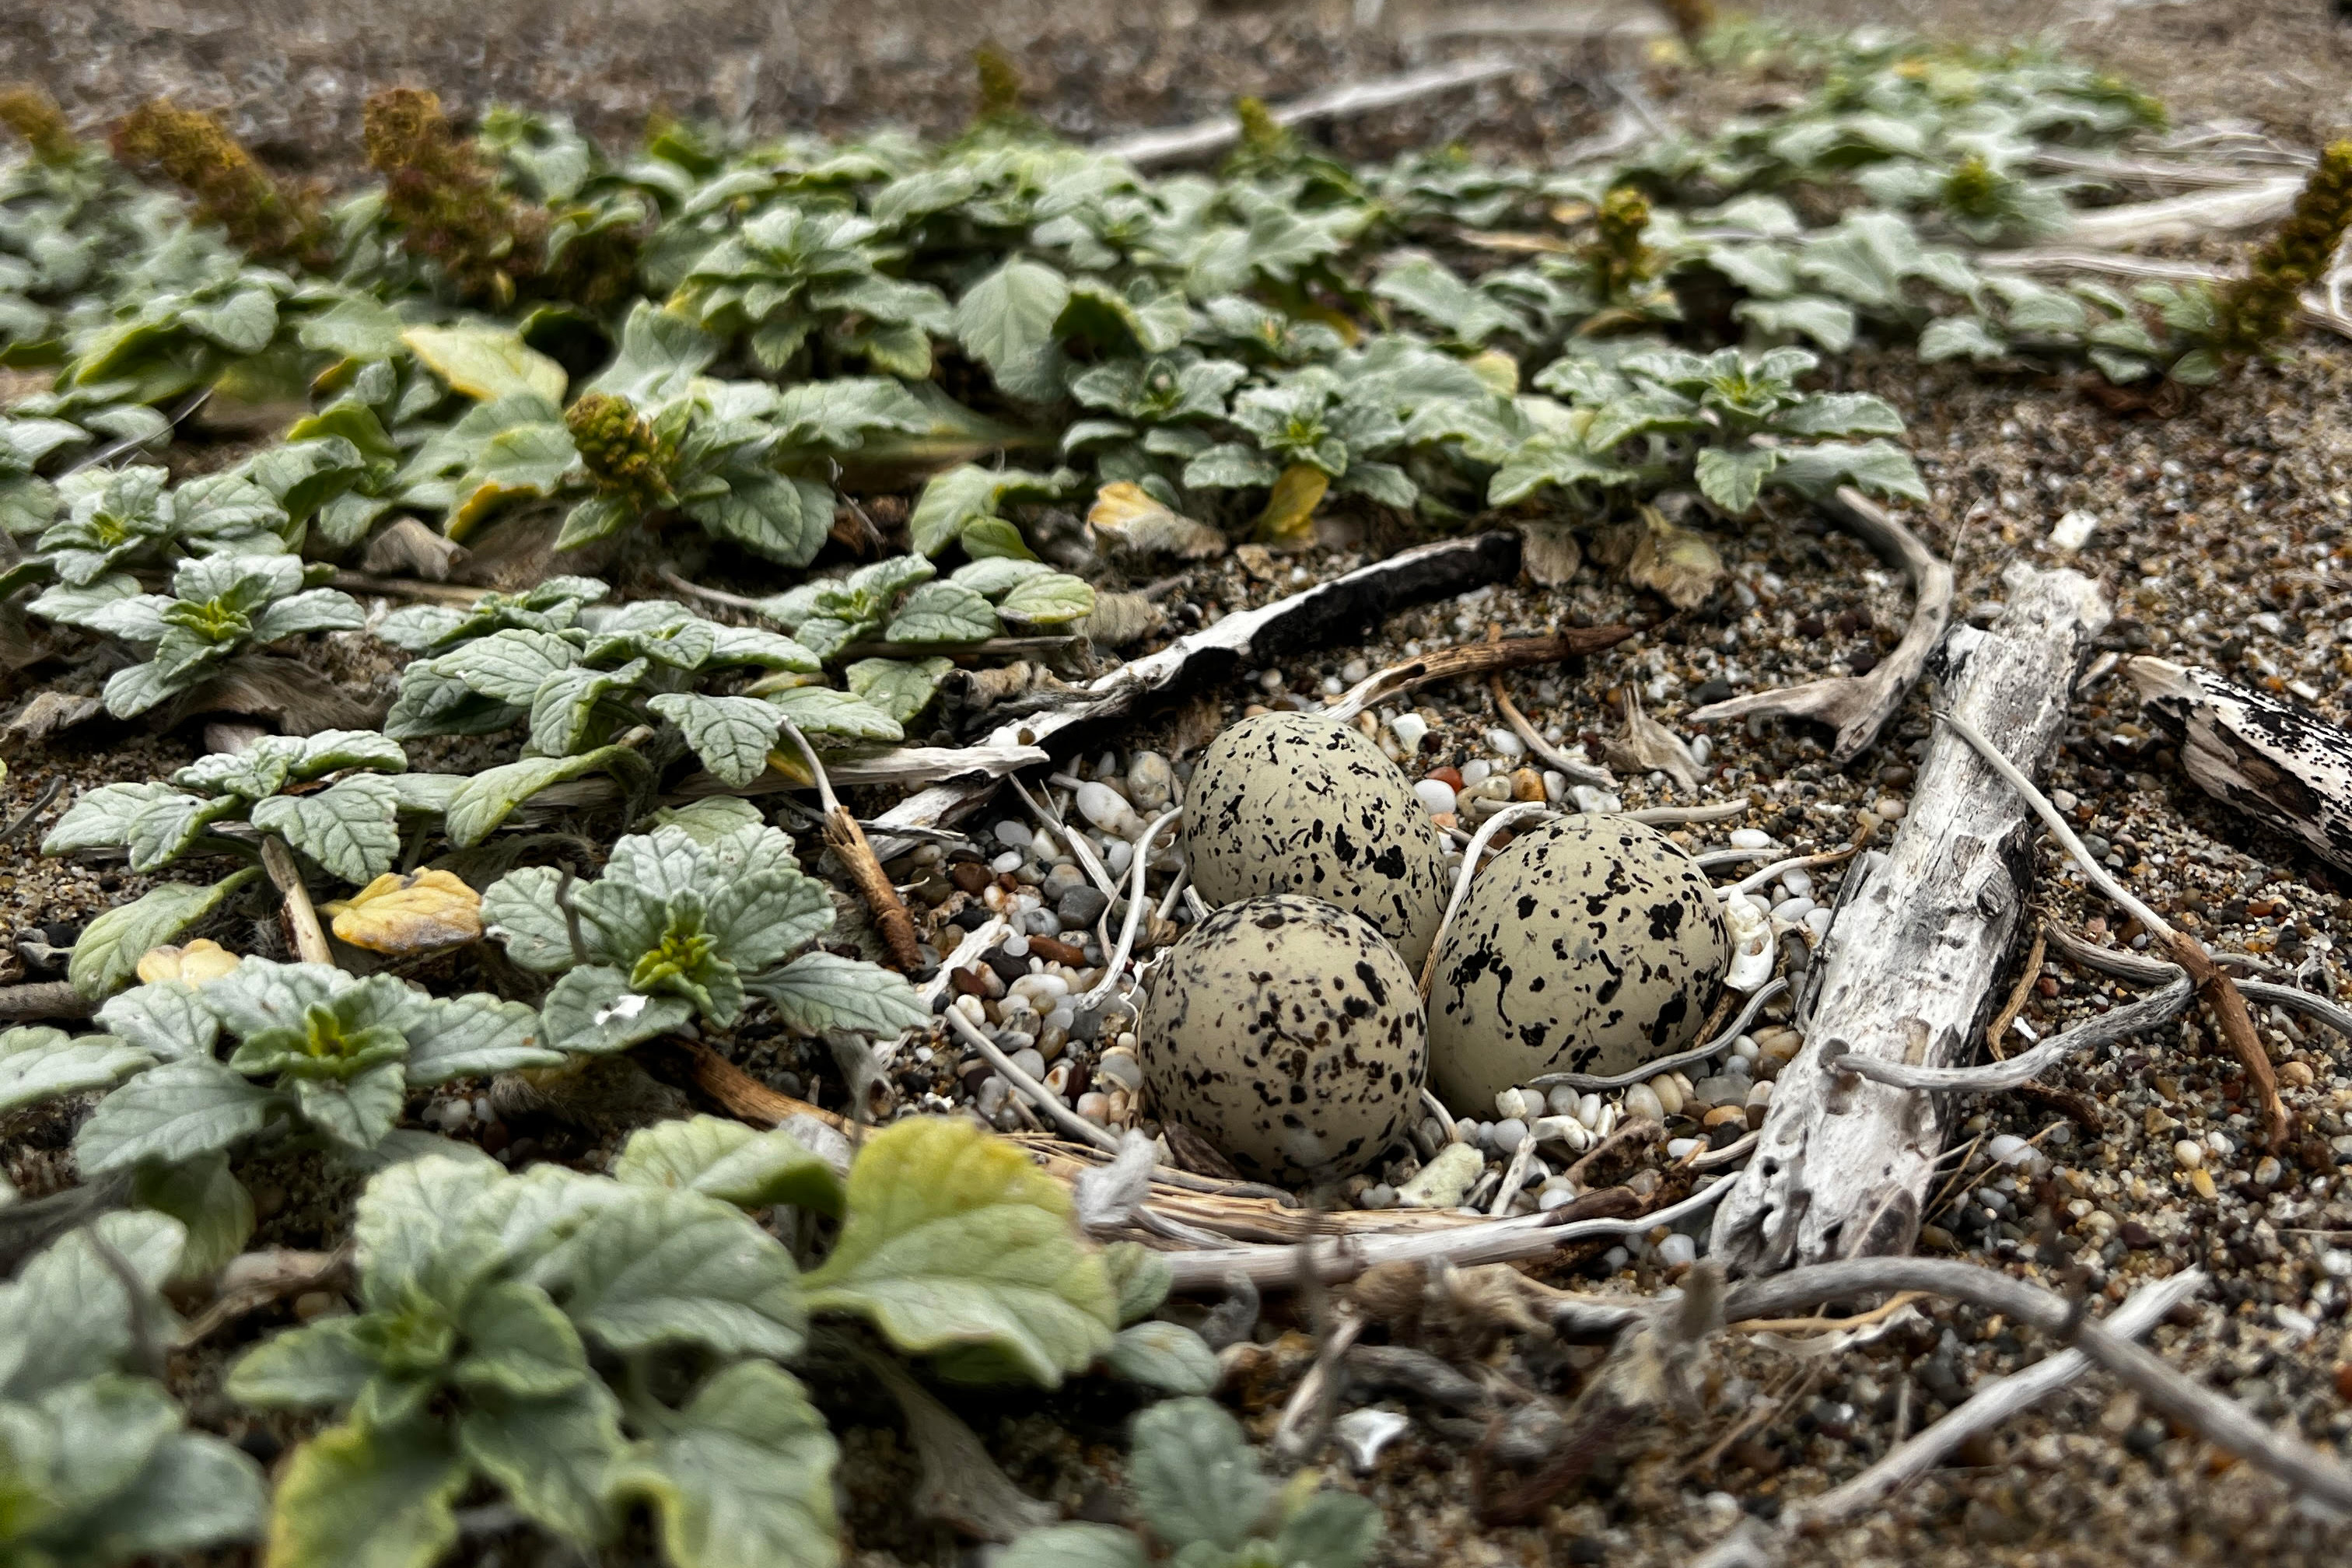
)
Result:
{"points": [[413, 913], [1499, 370], [1125, 515], [1288, 518], [201, 960], [486, 363]]}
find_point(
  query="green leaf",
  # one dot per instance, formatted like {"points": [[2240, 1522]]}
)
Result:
{"points": [[196, 1492], [487, 799], [551, 1455], [1731, 478], [942, 613], [326, 1362], [785, 520], [591, 1010], [1056, 599], [661, 352], [407, 1218], [1140, 1276], [1827, 321], [732, 1163], [954, 1239], [356, 1112], [210, 1203], [354, 327], [992, 538], [350, 827], [351, 1497], [1193, 1475], [485, 363], [1166, 1356], [522, 911], [1950, 337], [962, 494], [1877, 466], [677, 1267], [1075, 1546], [821, 711], [901, 688], [819, 993], [68, 1314], [1840, 413], [38, 1064], [1006, 320], [745, 1478], [732, 735], [475, 1036], [1331, 1529], [177, 1111]]}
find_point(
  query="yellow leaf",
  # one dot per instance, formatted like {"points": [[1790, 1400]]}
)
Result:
{"points": [[486, 363], [1125, 515], [1499, 370], [1288, 518], [201, 960], [413, 914], [486, 499]]}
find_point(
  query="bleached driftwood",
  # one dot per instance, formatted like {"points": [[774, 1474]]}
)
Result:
{"points": [[1149, 149], [2283, 765], [2248, 205], [1316, 615], [1858, 706], [1843, 1165], [2316, 308]]}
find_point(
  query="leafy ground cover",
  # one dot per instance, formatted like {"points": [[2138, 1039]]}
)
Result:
{"points": [[888, 394]]}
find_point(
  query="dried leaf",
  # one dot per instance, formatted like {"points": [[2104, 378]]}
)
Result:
{"points": [[48, 712], [417, 912], [1671, 561], [1289, 520], [201, 960], [409, 548], [1648, 746], [1549, 551], [1125, 517]]}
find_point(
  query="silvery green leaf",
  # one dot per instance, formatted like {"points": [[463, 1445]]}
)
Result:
{"points": [[1193, 1475], [765, 650], [964, 493], [761, 916], [417, 627], [592, 1011], [663, 863], [163, 827], [821, 711], [427, 792], [169, 1020], [1141, 1277], [259, 770], [38, 1064], [1876, 466], [331, 750], [318, 610], [368, 1497], [130, 692], [1075, 1546], [745, 1479], [210, 1202], [709, 819], [785, 520], [196, 1491], [243, 323], [1826, 321], [819, 993], [351, 828], [1950, 337], [177, 1111], [750, 849], [732, 735], [479, 804], [111, 604], [1163, 1356], [944, 613], [475, 1036], [1732, 478], [1230, 465], [1840, 413], [260, 993], [408, 1216], [1331, 1529], [677, 1267], [66, 1310], [566, 702], [101, 818], [510, 666], [998, 575], [901, 688], [548, 1455], [324, 1363], [518, 1343], [434, 700], [109, 948], [1007, 319], [730, 1161], [622, 918], [661, 352], [1058, 599]]}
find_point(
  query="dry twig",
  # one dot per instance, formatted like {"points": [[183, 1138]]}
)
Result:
{"points": [[301, 917], [847, 840]]}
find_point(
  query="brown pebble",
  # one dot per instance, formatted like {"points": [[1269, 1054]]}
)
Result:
{"points": [[1758, 1460], [967, 982], [1979, 1450], [2296, 1075], [2344, 1382], [2136, 1235], [494, 1137], [2202, 1180], [1450, 777], [2046, 986], [971, 875], [1053, 952], [312, 1304], [1723, 1113], [1527, 785]]}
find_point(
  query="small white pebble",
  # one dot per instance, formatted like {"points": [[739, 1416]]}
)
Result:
{"points": [[1642, 1101], [1095, 1106], [1507, 1135], [1015, 834], [1668, 1094], [1750, 839], [1676, 1250], [1676, 1148], [1008, 861], [1554, 785], [1478, 772], [1437, 796], [1410, 730], [1017, 946], [1551, 1198], [1588, 1111], [1798, 882], [1504, 743], [1817, 920], [2189, 1153]]}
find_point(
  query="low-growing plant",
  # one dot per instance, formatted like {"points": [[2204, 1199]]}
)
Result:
{"points": [[97, 1464], [261, 215], [685, 925]]}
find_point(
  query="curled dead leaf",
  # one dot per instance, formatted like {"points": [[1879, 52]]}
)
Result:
{"points": [[1671, 561], [1549, 552], [1125, 517], [415, 912], [195, 962], [1289, 520], [1648, 746]]}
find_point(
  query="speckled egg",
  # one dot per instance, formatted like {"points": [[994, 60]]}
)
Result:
{"points": [[1288, 803], [1591, 944], [1288, 1034]]}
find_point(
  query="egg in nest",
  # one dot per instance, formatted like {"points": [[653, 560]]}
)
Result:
{"points": [[1288, 803], [1288, 1035], [1589, 944]]}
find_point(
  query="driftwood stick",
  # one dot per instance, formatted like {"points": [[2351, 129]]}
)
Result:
{"points": [[1150, 149], [2283, 765], [453, 594], [1473, 659], [1843, 1164], [2219, 992], [2248, 203], [1575, 771], [42, 999], [301, 916], [1858, 706], [2015, 1071], [1303, 619]]}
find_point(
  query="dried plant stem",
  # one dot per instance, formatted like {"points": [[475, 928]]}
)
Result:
{"points": [[1501, 820], [1138, 901], [2011, 1010], [42, 999], [1577, 772], [2017, 1070], [301, 916], [2219, 992], [1988, 1407], [1036, 1093], [1472, 658], [847, 840], [1598, 1083], [455, 593]]}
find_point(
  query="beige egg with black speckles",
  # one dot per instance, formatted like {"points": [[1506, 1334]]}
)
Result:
{"points": [[1288, 803], [1288, 1035], [1589, 944]]}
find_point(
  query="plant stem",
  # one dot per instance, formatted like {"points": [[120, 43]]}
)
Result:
{"points": [[310, 937]]}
